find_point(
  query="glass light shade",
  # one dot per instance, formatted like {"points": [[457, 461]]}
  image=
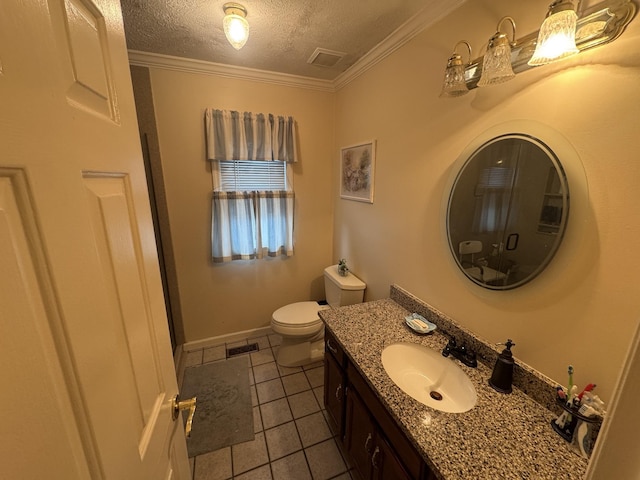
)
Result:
{"points": [[496, 66], [236, 29], [454, 83], [557, 38]]}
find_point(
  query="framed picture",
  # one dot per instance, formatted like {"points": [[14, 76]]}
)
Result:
{"points": [[356, 171]]}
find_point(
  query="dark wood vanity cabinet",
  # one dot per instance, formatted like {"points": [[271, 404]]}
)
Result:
{"points": [[370, 453], [376, 446], [334, 384]]}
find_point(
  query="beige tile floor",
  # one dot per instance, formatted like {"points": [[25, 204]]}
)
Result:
{"points": [[292, 439]]}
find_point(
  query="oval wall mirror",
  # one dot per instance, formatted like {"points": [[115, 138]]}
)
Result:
{"points": [[507, 211]]}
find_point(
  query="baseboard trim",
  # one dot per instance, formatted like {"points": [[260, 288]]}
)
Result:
{"points": [[227, 338]]}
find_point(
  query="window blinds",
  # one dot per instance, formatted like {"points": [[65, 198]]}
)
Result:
{"points": [[250, 175]]}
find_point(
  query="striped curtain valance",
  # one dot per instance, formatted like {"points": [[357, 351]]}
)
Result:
{"points": [[235, 135]]}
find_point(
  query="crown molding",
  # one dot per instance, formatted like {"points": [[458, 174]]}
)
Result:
{"points": [[433, 11], [189, 65]]}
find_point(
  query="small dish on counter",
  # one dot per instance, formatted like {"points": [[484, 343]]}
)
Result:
{"points": [[419, 324]]}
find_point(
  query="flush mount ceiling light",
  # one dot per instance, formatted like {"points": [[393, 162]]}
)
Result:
{"points": [[596, 25], [496, 66], [454, 83], [236, 27], [557, 36]]}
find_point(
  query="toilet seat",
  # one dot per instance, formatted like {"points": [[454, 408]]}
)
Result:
{"points": [[300, 327], [300, 315]]}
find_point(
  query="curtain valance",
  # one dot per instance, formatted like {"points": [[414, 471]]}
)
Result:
{"points": [[233, 135]]}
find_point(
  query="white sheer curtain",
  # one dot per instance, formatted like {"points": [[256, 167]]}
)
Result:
{"points": [[249, 225], [276, 231], [233, 226]]}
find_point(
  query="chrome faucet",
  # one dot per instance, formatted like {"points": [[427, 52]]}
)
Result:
{"points": [[467, 357]]}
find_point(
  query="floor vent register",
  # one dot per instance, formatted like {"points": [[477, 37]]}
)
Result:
{"points": [[232, 352]]}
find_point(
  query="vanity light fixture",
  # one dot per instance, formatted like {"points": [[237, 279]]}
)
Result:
{"points": [[454, 84], [496, 65], [236, 27], [557, 36], [595, 25]]}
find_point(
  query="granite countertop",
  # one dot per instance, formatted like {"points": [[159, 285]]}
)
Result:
{"points": [[502, 437]]}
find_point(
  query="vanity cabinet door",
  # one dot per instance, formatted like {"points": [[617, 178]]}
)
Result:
{"points": [[359, 435], [334, 393], [396, 457], [386, 465], [370, 453]]}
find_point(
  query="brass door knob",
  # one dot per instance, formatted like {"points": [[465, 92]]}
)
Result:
{"points": [[179, 405]]}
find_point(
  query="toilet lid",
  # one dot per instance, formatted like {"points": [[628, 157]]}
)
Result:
{"points": [[299, 314]]}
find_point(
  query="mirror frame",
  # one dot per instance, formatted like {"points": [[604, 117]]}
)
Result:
{"points": [[576, 184]]}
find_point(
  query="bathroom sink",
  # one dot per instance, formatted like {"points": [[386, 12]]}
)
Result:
{"points": [[430, 378]]}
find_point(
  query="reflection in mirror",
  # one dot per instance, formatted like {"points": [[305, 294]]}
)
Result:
{"points": [[507, 211]]}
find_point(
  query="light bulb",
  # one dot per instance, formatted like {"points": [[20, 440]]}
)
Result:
{"points": [[236, 27], [557, 38]]}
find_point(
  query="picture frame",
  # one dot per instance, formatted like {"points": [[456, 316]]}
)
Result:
{"points": [[357, 168]]}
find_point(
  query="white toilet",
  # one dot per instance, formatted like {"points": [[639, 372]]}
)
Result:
{"points": [[301, 328]]}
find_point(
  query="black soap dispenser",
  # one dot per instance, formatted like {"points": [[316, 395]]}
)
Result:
{"points": [[502, 375]]}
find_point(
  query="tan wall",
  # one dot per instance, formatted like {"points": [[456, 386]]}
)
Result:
{"points": [[218, 299], [584, 307]]}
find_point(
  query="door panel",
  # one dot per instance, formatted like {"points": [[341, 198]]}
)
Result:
{"points": [[114, 231], [89, 81], [38, 416]]}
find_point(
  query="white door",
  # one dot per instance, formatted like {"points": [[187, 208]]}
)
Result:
{"points": [[85, 356]]}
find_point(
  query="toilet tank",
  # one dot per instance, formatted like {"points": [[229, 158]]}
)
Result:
{"points": [[341, 291]]}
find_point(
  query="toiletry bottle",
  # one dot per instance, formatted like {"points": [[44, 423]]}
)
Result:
{"points": [[502, 375]]}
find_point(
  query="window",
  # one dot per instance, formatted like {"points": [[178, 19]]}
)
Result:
{"points": [[253, 200], [239, 175], [493, 193], [252, 214]]}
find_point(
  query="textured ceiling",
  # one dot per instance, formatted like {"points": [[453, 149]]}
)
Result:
{"points": [[284, 33]]}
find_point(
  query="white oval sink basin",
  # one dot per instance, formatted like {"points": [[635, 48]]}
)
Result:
{"points": [[430, 378]]}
